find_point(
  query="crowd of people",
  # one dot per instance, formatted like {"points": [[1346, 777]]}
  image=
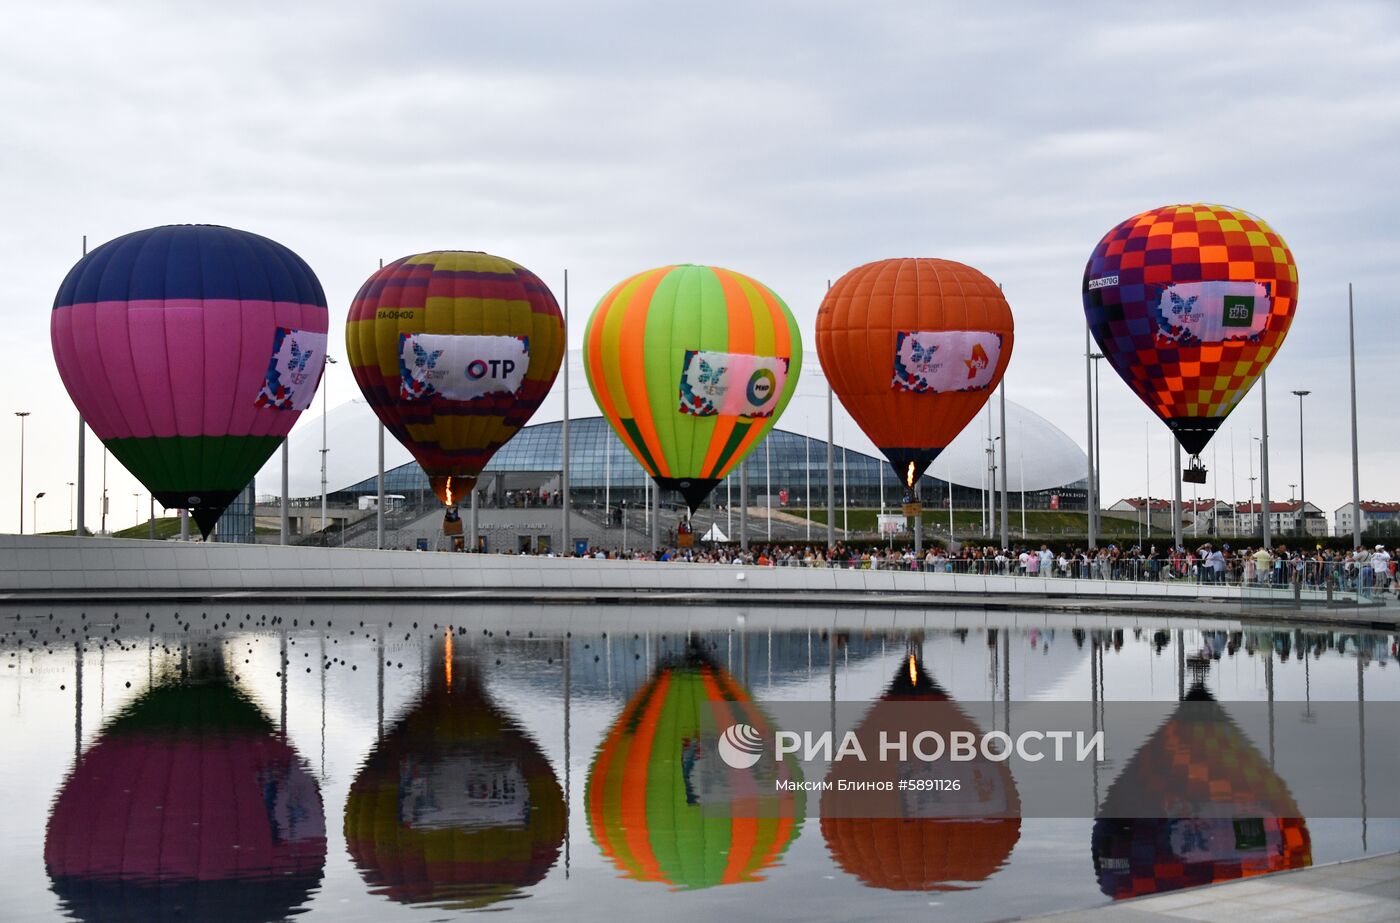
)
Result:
{"points": [[1368, 571]]}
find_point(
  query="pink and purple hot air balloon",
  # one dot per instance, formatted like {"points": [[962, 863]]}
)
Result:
{"points": [[191, 350]]}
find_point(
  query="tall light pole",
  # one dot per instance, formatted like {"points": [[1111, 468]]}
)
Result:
{"points": [[1302, 477], [325, 404], [21, 414], [566, 535], [1264, 458], [34, 527], [70, 507], [1089, 415], [81, 527], [1098, 438], [1252, 479], [1355, 460], [1005, 495]]}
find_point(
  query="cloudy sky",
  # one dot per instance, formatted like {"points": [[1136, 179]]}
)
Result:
{"points": [[791, 141]]}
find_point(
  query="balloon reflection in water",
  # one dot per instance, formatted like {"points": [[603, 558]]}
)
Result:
{"points": [[456, 806], [1197, 755], [921, 840], [659, 767], [188, 806]]}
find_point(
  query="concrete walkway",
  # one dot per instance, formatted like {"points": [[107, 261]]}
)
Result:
{"points": [[1362, 889]]}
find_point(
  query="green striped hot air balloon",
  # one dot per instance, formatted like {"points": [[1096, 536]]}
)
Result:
{"points": [[659, 769], [692, 366]]}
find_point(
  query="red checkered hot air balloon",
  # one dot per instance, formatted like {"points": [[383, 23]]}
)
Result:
{"points": [[1189, 303], [1199, 756]]}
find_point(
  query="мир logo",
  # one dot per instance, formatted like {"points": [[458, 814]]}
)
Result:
{"points": [[740, 746]]}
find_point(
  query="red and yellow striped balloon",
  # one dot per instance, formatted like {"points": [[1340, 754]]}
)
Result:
{"points": [[426, 337]]}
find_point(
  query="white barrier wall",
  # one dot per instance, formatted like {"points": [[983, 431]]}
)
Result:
{"points": [[66, 564]]}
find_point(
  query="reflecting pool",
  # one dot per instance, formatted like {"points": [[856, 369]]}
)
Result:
{"points": [[356, 762]]}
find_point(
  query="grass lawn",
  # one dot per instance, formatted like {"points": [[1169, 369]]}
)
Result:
{"points": [[1038, 522]]}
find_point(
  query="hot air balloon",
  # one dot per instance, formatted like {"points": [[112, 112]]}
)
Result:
{"points": [[456, 806], [913, 348], [901, 840], [191, 350], [189, 806], [657, 769], [1189, 303], [1198, 756], [692, 366], [454, 350]]}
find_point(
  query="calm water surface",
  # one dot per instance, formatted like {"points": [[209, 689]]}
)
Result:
{"points": [[426, 762]]}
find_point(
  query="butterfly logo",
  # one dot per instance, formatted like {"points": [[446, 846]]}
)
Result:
{"points": [[296, 366], [710, 376], [1182, 305], [425, 360], [920, 354], [299, 358]]}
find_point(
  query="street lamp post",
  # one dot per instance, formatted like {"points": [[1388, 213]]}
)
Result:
{"points": [[70, 507], [1097, 447], [34, 526], [325, 404], [1302, 478], [21, 414], [1089, 415]]}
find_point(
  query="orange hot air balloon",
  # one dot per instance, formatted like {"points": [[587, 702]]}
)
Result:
{"points": [[913, 348], [900, 839]]}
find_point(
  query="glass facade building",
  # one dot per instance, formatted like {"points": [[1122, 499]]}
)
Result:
{"points": [[788, 466], [236, 524]]}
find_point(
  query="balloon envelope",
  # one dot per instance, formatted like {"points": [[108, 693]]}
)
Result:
{"points": [[652, 775], [456, 806], [187, 806], [692, 366], [191, 350], [454, 350], [913, 348], [938, 842], [1198, 756], [1189, 303]]}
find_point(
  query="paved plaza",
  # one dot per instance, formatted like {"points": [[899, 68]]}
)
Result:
{"points": [[1361, 890]]}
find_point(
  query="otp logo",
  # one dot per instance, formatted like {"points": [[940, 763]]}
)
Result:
{"points": [[492, 368]]}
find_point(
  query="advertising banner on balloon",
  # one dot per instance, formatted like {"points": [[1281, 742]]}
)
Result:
{"points": [[941, 361], [298, 357], [732, 384], [1212, 312], [461, 368]]}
